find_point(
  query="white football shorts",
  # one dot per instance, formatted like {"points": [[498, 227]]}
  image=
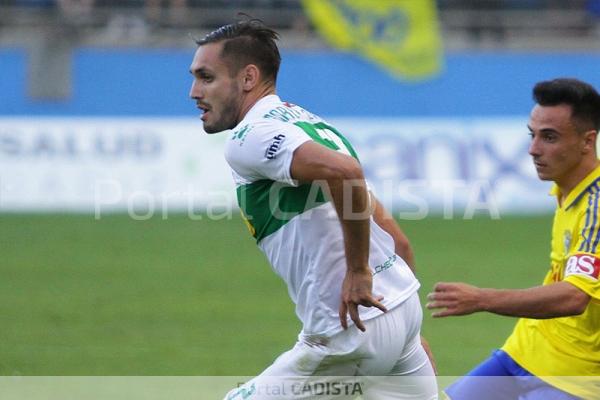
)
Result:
{"points": [[385, 362]]}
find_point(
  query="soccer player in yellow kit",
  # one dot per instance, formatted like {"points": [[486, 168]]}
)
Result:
{"points": [[558, 333]]}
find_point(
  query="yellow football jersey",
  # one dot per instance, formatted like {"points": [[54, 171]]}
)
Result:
{"points": [[568, 346]]}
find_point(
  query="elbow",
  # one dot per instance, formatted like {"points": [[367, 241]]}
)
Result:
{"points": [[577, 303], [580, 304], [349, 169], [409, 259], [566, 300], [403, 244], [403, 248]]}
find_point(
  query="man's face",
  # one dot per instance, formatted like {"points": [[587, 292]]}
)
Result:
{"points": [[216, 92], [556, 146]]}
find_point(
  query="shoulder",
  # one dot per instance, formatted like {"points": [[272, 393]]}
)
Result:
{"points": [[582, 222], [255, 135], [264, 149], [589, 201], [585, 203]]}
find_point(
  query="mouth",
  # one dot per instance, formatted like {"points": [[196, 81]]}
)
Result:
{"points": [[205, 110], [539, 165]]}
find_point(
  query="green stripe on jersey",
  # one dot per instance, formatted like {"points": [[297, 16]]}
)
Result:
{"points": [[328, 136], [268, 205]]}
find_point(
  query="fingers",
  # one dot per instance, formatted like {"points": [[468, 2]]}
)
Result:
{"points": [[355, 317], [377, 303], [442, 286], [443, 310], [444, 313], [441, 296], [448, 287], [440, 299], [343, 313], [446, 308], [443, 300], [351, 307], [444, 295]]}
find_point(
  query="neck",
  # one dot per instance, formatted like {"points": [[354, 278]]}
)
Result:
{"points": [[253, 96], [568, 184]]}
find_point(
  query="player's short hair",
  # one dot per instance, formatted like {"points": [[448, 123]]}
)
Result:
{"points": [[581, 96], [247, 41]]}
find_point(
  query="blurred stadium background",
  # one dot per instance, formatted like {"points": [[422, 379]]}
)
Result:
{"points": [[121, 252]]}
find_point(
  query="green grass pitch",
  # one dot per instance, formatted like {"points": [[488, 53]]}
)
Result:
{"points": [[117, 296]]}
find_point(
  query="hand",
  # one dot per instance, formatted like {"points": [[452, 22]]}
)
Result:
{"points": [[454, 299], [357, 290], [429, 353]]}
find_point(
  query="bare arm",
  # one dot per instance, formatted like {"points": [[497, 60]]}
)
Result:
{"points": [[341, 176], [550, 301], [388, 224]]}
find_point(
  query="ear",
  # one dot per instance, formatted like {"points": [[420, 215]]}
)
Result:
{"points": [[250, 76], [589, 141]]}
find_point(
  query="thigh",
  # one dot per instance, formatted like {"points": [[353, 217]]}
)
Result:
{"points": [[420, 384], [326, 368], [392, 339], [304, 372], [410, 375]]}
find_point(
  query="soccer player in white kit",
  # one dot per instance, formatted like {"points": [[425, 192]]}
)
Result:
{"points": [[302, 192]]}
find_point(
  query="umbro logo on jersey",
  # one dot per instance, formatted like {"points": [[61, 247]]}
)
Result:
{"points": [[583, 264], [272, 150]]}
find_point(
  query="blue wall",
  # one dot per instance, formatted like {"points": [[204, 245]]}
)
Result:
{"points": [[156, 82]]}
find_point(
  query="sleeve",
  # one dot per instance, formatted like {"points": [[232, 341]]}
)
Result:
{"points": [[266, 152], [582, 267]]}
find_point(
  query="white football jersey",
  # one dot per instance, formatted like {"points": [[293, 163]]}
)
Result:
{"points": [[295, 226]]}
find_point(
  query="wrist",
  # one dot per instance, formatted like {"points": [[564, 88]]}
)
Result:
{"points": [[484, 299], [359, 268]]}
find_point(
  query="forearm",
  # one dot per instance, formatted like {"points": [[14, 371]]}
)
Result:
{"points": [[540, 302], [341, 178], [350, 198]]}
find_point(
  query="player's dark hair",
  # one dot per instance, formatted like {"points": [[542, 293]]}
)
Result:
{"points": [[582, 97], [248, 41]]}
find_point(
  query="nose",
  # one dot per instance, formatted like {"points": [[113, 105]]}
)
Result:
{"points": [[534, 147], [195, 90]]}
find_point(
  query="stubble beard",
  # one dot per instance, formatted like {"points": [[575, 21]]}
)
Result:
{"points": [[229, 115]]}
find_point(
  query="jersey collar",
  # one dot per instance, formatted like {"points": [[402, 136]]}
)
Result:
{"points": [[591, 179], [260, 107]]}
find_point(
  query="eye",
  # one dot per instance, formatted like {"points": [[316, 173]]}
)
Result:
{"points": [[550, 137], [206, 78]]}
